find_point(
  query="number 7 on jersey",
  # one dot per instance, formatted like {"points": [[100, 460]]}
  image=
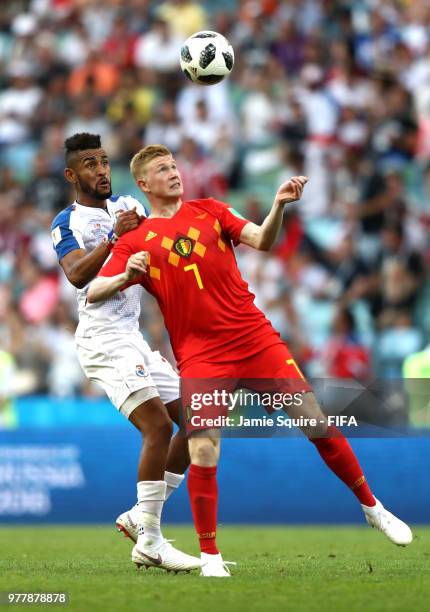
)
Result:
{"points": [[195, 269]]}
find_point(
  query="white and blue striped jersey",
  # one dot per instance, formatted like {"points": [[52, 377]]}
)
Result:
{"points": [[85, 227]]}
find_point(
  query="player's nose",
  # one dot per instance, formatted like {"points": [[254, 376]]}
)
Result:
{"points": [[102, 169], [174, 178]]}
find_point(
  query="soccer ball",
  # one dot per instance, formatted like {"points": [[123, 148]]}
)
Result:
{"points": [[207, 57]]}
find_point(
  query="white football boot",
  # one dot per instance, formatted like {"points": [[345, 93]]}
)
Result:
{"points": [[129, 523], [396, 530], [215, 567], [165, 556]]}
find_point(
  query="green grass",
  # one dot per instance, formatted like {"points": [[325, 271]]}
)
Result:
{"points": [[311, 569]]}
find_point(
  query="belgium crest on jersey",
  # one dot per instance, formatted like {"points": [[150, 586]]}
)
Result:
{"points": [[183, 246]]}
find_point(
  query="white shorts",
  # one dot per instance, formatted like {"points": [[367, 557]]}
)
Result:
{"points": [[123, 364]]}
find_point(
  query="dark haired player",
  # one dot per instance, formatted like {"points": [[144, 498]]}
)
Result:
{"points": [[111, 350], [183, 254]]}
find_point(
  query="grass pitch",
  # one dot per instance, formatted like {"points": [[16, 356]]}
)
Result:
{"points": [[295, 569]]}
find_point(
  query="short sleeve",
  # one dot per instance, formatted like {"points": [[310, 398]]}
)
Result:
{"points": [[66, 233], [232, 222]]}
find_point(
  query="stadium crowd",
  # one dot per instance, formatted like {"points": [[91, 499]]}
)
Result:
{"points": [[339, 91]]}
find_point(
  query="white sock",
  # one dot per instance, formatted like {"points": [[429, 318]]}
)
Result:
{"points": [[172, 481], [372, 509], [150, 497]]}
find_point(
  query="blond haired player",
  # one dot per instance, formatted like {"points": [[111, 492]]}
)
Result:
{"points": [[183, 255]]}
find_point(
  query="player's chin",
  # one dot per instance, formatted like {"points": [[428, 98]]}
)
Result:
{"points": [[103, 192], [176, 191]]}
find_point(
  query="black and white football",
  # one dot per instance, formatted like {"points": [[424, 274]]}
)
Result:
{"points": [[207, 57]]}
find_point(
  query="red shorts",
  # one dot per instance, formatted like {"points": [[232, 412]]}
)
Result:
{"points": [[271, 370]]}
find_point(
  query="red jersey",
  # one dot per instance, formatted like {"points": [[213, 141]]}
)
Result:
{"points": [[192, 272]]}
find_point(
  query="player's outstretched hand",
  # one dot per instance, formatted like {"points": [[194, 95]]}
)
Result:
{"points": [[136, 265], [291, 190], [127, 220]]}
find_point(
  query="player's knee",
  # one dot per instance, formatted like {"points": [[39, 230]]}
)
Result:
{"points": [[315, 431], [156, 428], [315, 422], [204, 451], [162, 427]]}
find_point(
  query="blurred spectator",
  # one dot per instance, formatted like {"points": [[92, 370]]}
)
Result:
{"points": [[258, 110], [119, 46], [225, 155], [55, 105], [204, 131], [293, 164], [40, 248], [292, 236], [158, 49], [253, 36], [8, 418], [128, 134], [14, 239], [201, 177], [134, 91], [352, 130], [376, 39], [48, 191], [348, 269], [216, 99], [98, 18], [294, 128], [348, 86], [24, 27], [321, 116], [139, 14], [88, 117], [394, 246], [97, 75], [416, 371], [399, 287], [288, 47], [11, 192], [55, 339], [306, 273], [394, 344], [75, 44], [164, 127], [38, 292], [344, 356], [184, 16], [382, 200], [18, 103], [265, 277]]}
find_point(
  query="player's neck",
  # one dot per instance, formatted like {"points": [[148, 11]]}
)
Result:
{"points": [[164, 209], [85, 200]]}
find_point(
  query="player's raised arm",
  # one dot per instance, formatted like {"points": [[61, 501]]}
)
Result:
{"points": [[80, 266], [106, 285], [263, 237]]}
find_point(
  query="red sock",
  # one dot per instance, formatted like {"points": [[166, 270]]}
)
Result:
{"points": [[340, 458], [203, 491]]}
